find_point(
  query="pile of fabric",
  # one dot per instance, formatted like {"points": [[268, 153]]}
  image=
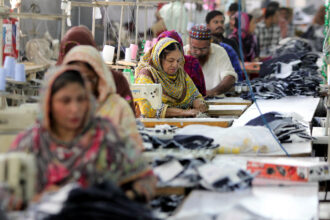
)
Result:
{"points": [[287, 75], [195, 173], [286, 128], [103, 201], [292, 45]]}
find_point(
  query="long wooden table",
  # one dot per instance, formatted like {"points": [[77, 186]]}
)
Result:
{"points": [[182, 122]]}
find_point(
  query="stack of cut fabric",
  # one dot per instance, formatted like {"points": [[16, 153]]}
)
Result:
{"points": [[299, 77], [287, 129]]}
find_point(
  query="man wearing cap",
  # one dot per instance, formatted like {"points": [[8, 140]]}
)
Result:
{"points": [[219, 73]]}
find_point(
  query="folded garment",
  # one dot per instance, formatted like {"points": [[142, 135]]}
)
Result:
{"points": [[287, 129]]}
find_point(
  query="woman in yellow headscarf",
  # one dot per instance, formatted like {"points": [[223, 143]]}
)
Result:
{"points": [[164, 64]]}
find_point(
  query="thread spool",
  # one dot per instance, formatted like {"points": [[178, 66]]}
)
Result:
{"points": [[128, 55], [10, 66], [2, 79], [154, 41], [20, 72], [108, 53], [147, 46], [134, 49]]}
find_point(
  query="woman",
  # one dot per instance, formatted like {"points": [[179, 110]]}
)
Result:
{"points": [[71, 144], [102, 85], [164, 65], [191, 64], [81, 35], [249, 42]]}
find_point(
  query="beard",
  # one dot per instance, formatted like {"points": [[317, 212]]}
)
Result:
{"points": [[203, 59]]}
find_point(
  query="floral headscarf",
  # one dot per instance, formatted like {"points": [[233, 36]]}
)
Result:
{"points": [[173, 86]]}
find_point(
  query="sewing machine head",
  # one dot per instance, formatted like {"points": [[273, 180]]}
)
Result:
{"points": [[151, 92], [18, 174]]}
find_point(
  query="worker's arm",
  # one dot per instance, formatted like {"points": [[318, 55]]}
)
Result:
{"points": [[177, 112], [225, 85]]}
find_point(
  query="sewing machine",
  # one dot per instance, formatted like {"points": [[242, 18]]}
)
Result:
{"points": [[151, 92], [18, 174]]}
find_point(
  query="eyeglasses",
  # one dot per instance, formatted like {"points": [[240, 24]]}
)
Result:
{"points": [[200, 49]]}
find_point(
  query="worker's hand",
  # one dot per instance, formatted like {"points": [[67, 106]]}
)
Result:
{"points": [[210, 93], [145, 188], [200, 105], [190, 113]]}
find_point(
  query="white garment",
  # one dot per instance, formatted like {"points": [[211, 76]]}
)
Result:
{"points": [[217, 67], [175, 16]]}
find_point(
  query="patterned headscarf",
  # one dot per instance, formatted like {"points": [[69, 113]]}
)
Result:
{"points": [[90, 55], [173, 86], [200, 32], [78, 35]]}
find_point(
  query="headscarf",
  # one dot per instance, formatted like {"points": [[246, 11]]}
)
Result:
{"points": [[90, 55], [96, 153], [191, 66], [245, 24], [173, 86], [45, 99], [78, 35]]}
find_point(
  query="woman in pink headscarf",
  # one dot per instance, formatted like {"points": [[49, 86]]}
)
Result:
{"points": [[249, 41]]}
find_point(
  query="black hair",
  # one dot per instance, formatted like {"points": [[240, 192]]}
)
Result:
{"points": [[68, 77], [270, 11], [211, 15], [233, 7], [170, 48], [273, 4]]}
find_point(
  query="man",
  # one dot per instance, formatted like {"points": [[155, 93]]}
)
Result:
{"points": [[213, 20], [268, 32], [219, 74]]}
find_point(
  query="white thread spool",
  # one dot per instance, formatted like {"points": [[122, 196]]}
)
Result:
{"points": [[108, 52]]}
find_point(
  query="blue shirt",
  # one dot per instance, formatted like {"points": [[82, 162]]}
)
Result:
{"points": [[234, 60]]}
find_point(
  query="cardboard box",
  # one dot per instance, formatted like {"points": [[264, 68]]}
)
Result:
{"points": [[290, 169]]}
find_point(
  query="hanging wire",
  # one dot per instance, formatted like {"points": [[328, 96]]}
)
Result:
{"points": [[248, 80]]}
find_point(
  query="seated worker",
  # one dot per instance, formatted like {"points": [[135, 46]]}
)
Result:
{"points": [[110, 104], [81, 35], [219, 73], [71, 144], [249, 41], [215, 22], [191, 64], [164, 65]]}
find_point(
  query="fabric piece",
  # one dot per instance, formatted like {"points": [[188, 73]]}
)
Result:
{"points": [[267, 37], [191, 65], [287, 129], [181, 142], [217, 67], [96, 153], [179, 91], [110, 105], [234, 60], [200, 32]]}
